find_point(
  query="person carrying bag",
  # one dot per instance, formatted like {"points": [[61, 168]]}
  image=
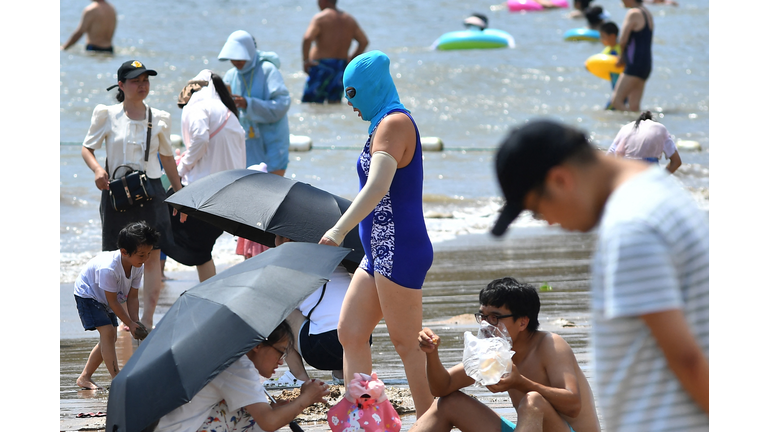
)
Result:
{"points": [[133, 187], [133, 134]]}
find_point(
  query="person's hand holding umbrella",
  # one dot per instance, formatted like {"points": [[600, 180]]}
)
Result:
{"points": [[211, 325], [183, 216]]}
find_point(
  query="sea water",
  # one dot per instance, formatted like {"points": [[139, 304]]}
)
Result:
{"points": [[467, 98]]}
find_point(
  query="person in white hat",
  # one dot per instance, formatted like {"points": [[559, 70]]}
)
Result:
{"points": [[262, 98]]}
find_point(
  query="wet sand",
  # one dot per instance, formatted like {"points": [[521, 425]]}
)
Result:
{"points": [[460, 269]]}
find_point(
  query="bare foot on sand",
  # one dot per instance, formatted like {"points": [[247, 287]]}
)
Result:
{"points": [[87, 383]]}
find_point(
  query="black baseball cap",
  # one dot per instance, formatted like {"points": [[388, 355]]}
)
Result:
{"points": [[524, 159], [131, 69]]}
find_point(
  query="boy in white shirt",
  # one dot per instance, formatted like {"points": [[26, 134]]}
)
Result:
{"points": [[108, 280]]}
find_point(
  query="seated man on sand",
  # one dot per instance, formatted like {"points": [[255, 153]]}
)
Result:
{"points": [[548, 388]]}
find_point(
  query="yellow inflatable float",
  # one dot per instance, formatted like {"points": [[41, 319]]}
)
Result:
{"points": [[602, 65]]}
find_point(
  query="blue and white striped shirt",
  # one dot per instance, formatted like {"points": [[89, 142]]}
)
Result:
{"points": [[652, 255]]}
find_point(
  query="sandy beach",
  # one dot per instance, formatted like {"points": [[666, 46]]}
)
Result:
{"points": [[460, 269]]}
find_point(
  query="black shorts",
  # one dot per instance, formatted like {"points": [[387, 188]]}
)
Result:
{"points": [[321, 351], [193, 240]]}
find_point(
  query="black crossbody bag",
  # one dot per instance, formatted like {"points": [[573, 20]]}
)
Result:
{"points": [[134, 187]]}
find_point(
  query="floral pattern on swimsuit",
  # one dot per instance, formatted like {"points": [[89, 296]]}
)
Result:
{"points": [[383, 229]]}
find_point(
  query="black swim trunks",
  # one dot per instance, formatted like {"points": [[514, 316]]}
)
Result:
{"points": [[94, 48]]}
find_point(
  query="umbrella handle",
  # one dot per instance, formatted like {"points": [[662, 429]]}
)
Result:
{"points": [[293, 425]]}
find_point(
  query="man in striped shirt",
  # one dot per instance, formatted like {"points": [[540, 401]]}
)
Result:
{"points": [[650, 271]]}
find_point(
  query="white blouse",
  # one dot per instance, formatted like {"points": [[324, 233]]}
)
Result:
{"points": [[206, 155], [126, 138]]}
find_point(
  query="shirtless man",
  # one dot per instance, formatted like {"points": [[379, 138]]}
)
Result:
{"points": [[325, 52], [98, 24], [547, 387]]}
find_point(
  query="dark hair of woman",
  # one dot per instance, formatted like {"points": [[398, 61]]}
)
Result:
{"points": [[120, 95], [223, 92], [281, 332], [593, 14], [646, 115]]}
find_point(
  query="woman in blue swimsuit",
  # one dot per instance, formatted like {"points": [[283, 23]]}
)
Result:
{"points": [[635, 39], [388, 209]]}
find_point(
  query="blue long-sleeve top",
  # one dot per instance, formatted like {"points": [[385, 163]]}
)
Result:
{"points": [[268, 101]]}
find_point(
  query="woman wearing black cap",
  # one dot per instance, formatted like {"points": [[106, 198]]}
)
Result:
{"points": [[123, 127]]}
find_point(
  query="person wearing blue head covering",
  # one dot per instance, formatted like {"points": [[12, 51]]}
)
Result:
{"points": [[263, 100], [388, 210]]}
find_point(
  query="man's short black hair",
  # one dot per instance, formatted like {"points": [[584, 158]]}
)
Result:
{"points": [[525, 157], [609, 28], [137, 234], [521, 299]]}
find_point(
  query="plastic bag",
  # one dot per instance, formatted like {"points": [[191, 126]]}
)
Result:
{"points": [[365, 407], [488, 356]]}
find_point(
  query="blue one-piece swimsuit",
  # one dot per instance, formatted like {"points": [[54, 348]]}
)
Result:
{"points": [[394, 235], [638, 51]]}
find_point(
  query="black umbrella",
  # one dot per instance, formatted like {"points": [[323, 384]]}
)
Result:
{"points": [[210, 326], [256, 206]]}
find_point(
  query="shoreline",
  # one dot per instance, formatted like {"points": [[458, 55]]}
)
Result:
{"points": [[461, 267]]}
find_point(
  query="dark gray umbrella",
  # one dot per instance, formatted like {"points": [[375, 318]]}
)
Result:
{"points": [[256, 206], [212, 325]]}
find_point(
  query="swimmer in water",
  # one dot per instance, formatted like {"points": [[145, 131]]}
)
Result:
{"points": [[98, 23]]}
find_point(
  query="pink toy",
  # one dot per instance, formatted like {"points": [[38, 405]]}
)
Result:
{"points": [[365, 407], [532, 5]]}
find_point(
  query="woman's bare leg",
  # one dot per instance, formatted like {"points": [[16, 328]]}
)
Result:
{"points": [[152, 285], [628, 87], [206, 270], [402, 310], [636, 95], [124, 346], [360, 312]]}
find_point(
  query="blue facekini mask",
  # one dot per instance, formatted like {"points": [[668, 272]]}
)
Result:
{"points": [[369, 87]]}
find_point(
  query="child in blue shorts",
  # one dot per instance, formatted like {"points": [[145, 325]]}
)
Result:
{"points": [[108, 280]]}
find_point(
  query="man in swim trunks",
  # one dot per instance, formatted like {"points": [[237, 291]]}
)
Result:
{"points": [[546, 385], [325, 51], [98, 23]]}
